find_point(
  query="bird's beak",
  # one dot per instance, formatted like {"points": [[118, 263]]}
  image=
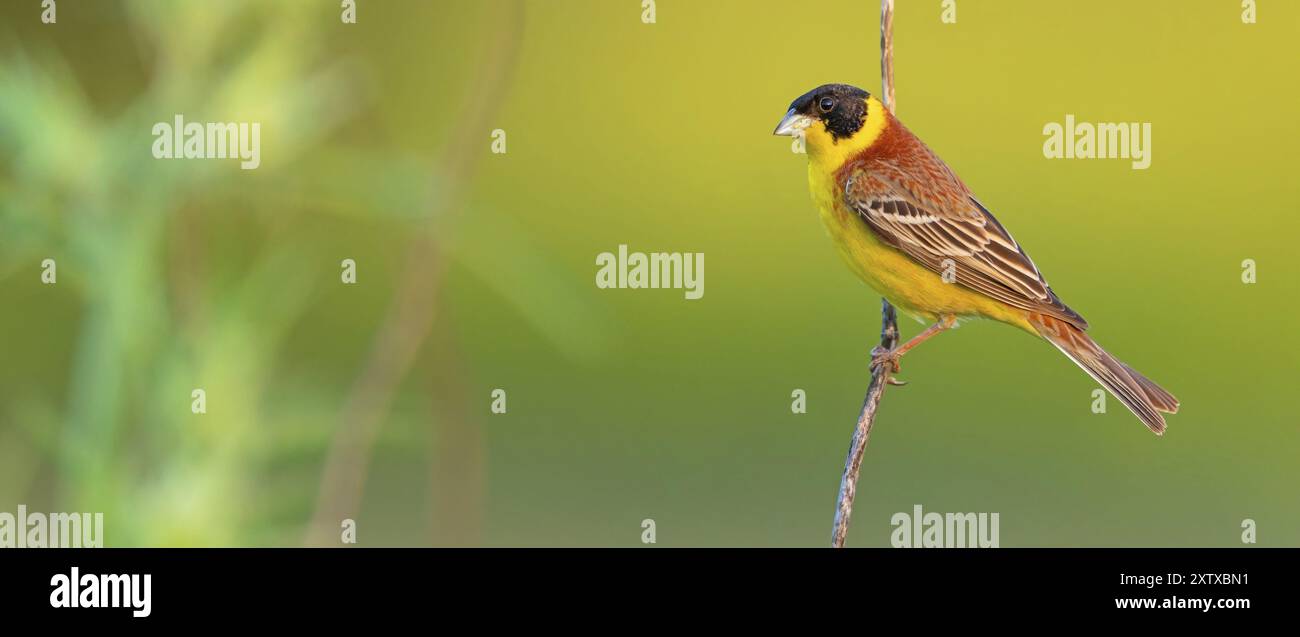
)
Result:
{"points": [[792, 124]]}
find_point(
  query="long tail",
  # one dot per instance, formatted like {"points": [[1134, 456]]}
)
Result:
{"points": [[1142, 396]]}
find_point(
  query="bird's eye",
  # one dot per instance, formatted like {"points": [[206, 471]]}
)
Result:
{"points": [[826, 104]]}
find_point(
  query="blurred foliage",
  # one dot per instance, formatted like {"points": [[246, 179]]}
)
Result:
{"points": [[158, 317], [176, 275]]}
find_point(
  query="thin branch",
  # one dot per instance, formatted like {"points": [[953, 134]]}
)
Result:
{"points": [[887, 54], [880, 374]]}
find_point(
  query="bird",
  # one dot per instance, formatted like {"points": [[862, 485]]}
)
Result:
{"points": [[910, 228]]}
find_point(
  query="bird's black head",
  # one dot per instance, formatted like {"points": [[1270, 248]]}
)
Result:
{"points": [[840, 107]]}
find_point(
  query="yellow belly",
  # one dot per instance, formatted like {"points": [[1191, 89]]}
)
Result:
{"points": [[911, 287]]}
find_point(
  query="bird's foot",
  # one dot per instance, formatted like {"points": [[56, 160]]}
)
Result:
{"points": [[887, 359]]}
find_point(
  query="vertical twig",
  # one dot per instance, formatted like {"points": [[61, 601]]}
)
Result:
{"points": [[888, 323], [887, 54]]}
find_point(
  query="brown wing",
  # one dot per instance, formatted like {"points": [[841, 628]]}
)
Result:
{"points": [[936, 219]]}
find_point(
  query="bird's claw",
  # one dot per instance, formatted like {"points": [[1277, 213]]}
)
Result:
{"points": [[880, 357]]}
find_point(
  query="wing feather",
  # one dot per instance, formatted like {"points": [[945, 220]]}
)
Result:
{"points": [[937, 219]]}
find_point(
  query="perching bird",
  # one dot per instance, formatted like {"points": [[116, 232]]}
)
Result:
{"points": [[909, 227]]}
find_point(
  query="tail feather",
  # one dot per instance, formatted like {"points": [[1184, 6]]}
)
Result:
{"points": [[1163, 400], [1142, 396]]}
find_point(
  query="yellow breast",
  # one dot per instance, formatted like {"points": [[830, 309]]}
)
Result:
{"points": [[911, 287]]}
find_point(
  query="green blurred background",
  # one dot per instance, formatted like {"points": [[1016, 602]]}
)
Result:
{"points": [[476, 271]]}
